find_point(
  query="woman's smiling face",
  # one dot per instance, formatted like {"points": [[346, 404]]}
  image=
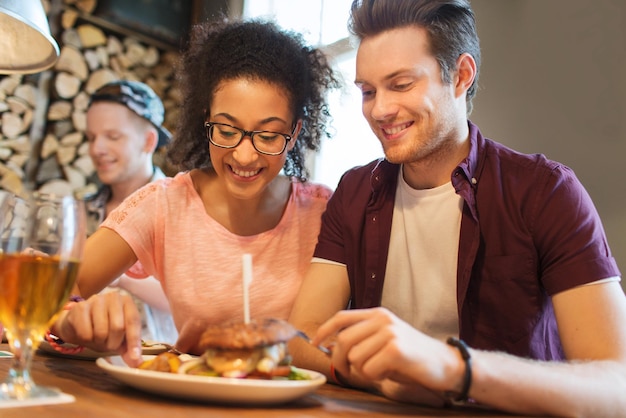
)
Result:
{"points": [[252, 105]]}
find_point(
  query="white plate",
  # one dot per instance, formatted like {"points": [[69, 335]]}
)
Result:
{"points": [[87, 354], [212, 389]]}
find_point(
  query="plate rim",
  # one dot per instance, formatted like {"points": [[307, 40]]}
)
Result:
{"points": [[89, 354], [137, 377]]}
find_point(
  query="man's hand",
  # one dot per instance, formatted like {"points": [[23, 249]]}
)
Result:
{"points": [[375, 345]]}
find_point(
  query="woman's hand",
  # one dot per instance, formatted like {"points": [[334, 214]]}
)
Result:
{"points": [[105, 322]]}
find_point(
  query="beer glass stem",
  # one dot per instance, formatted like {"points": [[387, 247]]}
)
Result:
{"points": [[19, 384]]}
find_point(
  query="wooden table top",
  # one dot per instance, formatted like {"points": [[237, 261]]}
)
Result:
{"points": [[99, 394]]}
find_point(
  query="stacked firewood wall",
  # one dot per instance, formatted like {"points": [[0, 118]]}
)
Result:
{"points": [[50, 154]]}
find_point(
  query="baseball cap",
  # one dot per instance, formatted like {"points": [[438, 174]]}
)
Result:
{"points": [[139, 98]]}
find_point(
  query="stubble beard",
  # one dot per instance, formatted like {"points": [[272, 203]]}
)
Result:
{"points": [[417, 149], [429, 147]]}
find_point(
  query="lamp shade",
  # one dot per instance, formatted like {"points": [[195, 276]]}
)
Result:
{"points": [[26, 45]]}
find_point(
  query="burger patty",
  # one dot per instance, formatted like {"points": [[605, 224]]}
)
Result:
{"points": [[239, 335], [239, 363]]}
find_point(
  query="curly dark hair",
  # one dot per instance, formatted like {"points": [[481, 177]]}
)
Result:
{"points": [[259, 50]]}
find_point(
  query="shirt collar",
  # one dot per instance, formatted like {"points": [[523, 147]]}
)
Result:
{"points": [[469, 166], [465, 177], [384, 171]]}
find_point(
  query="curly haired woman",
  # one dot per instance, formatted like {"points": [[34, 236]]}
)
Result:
{"points": [[254, 101]]}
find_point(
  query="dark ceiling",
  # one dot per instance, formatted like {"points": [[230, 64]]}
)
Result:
{"points": [[165, 22]]}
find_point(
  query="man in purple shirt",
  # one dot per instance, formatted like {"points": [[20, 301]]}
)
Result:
{"points": [[473, 272]]}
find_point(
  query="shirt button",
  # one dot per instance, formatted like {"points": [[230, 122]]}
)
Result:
{"points": [[474, 181], [374, 218], [373, 276]]}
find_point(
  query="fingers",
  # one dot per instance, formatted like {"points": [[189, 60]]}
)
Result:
{"points": [[107, 317], [132, 358], [367, 341], [106, 322], [370, 348], [369, 344], [132, 355], [34, 253], [339, 359], [339, 321]]}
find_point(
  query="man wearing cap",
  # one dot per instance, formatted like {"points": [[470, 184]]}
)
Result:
{"points": [[124, 129]]}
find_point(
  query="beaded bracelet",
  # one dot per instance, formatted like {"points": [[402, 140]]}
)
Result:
{"points": [[57, 343], [336, 377], [467, 377]]}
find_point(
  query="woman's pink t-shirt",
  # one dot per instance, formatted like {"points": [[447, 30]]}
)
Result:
{"points": [[198, 261]]}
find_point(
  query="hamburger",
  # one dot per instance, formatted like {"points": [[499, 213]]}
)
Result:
{"points": [[257, 349]]}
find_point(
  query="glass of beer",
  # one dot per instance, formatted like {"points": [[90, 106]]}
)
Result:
{"points": [[42, 238]]}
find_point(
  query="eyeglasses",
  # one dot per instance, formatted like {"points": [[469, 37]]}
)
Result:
{"points": [[227, 136]]}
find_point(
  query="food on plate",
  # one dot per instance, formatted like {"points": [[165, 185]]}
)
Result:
{"points": [[240, 349], [164, 362], [257, 349]]}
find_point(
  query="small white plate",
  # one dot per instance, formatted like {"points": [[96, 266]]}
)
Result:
{"points": [[212, 389], [87, 354], [6, 354]]}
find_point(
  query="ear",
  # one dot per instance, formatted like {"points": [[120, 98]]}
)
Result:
{"points": [[151, 139], [465, 73], [294, 137]]}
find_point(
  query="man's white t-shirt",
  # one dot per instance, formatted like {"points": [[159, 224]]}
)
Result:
{"points": [[420, 280]]}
